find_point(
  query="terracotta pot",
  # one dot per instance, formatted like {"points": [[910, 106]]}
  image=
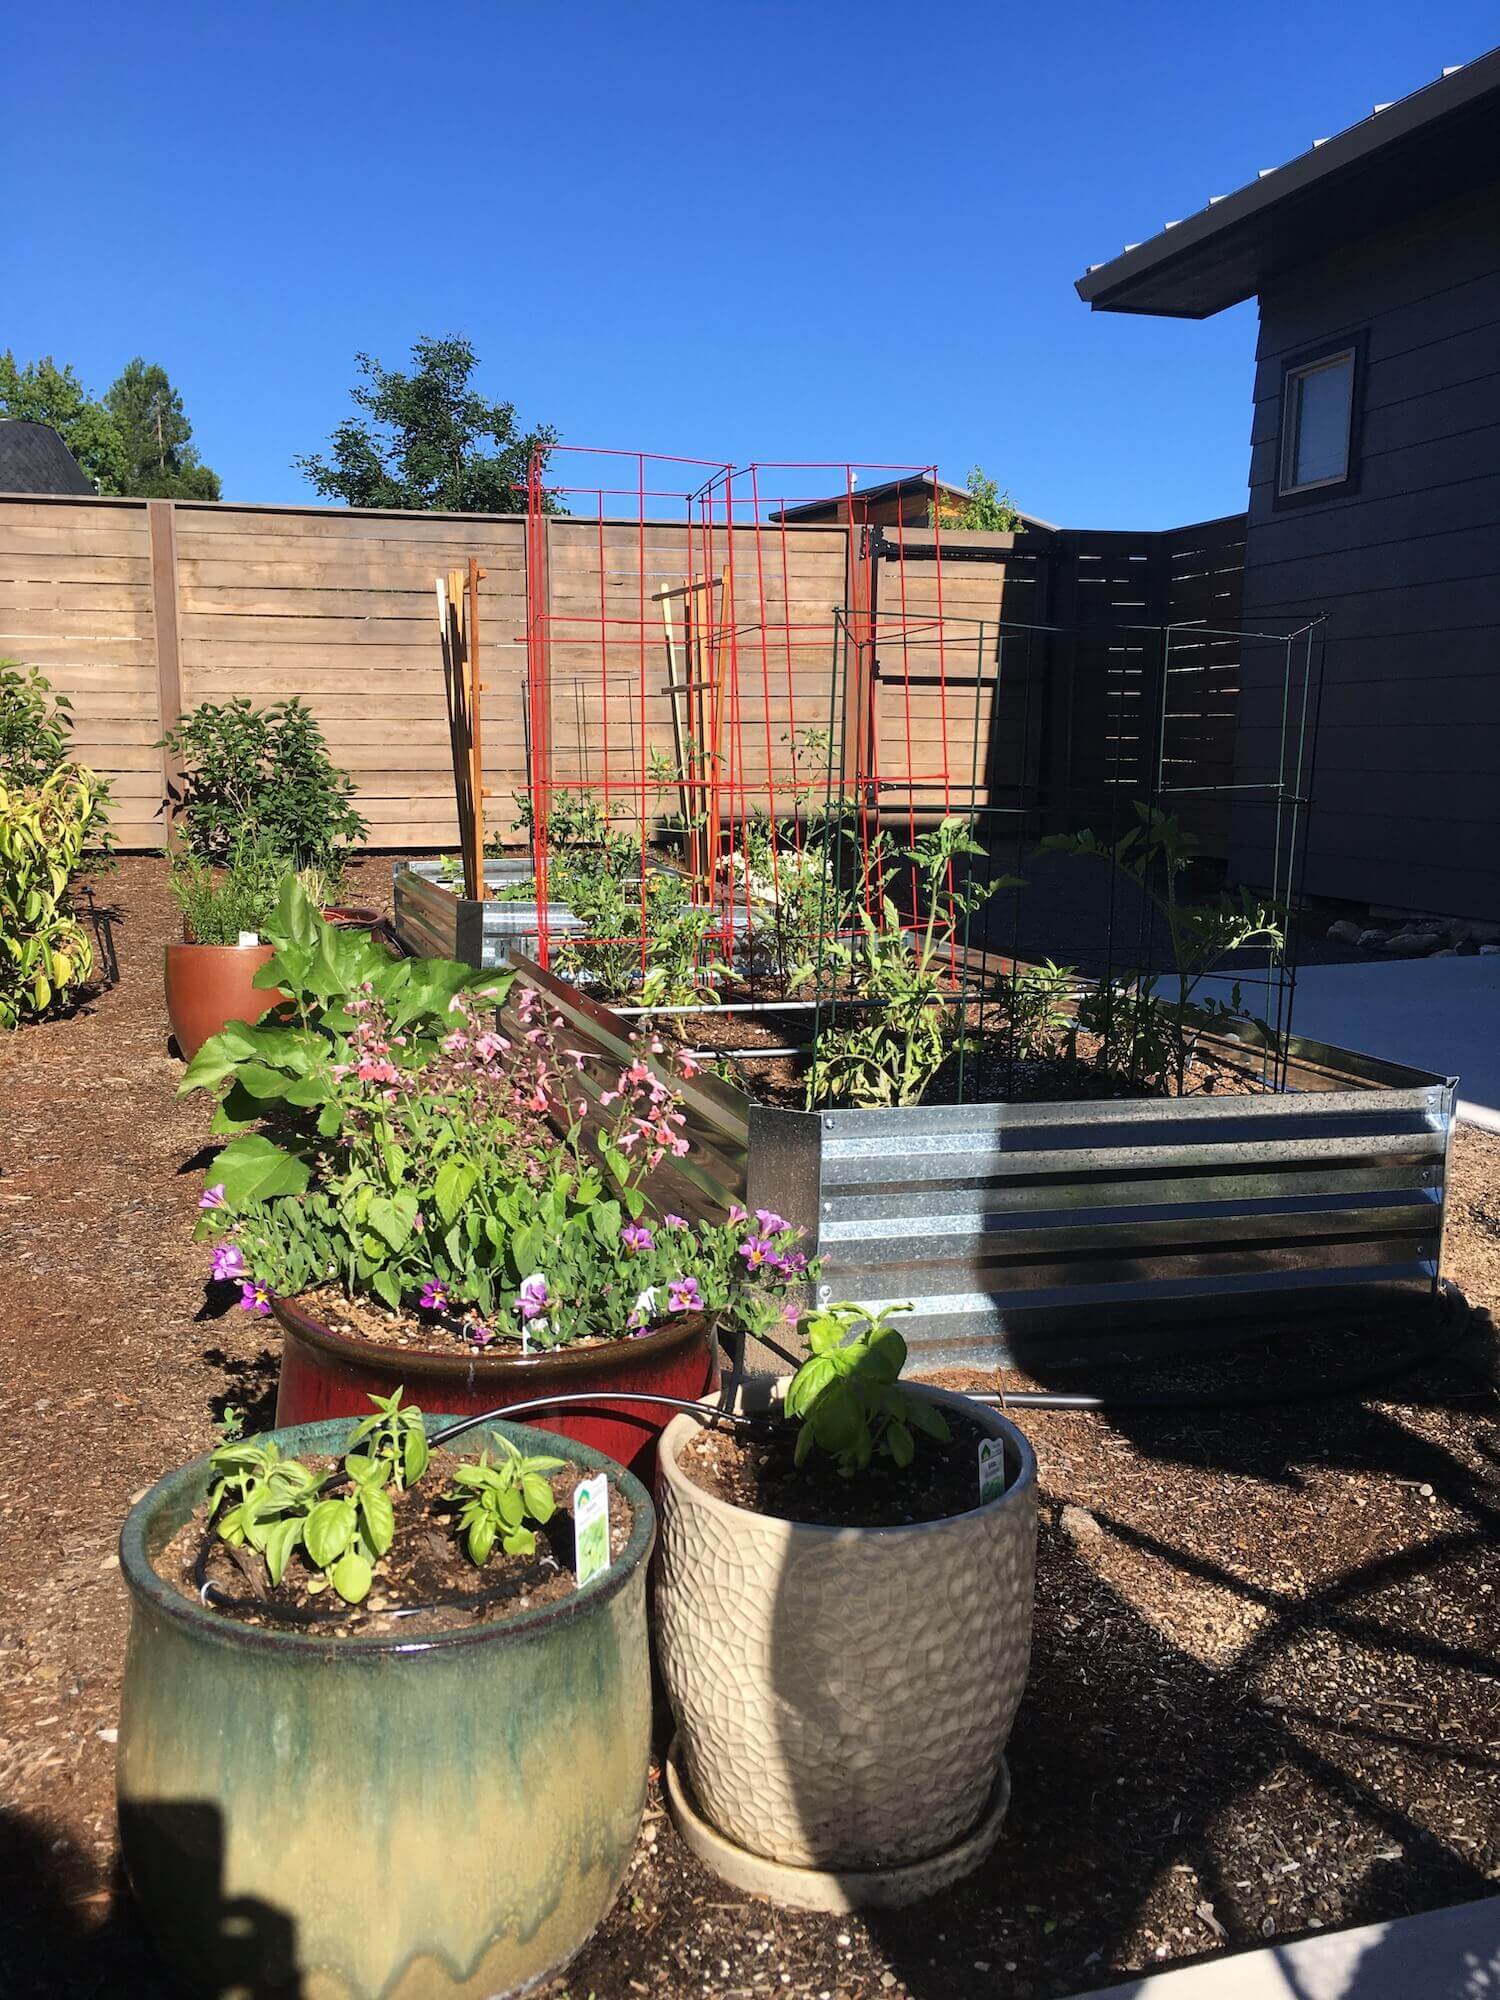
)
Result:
{"points": [[328, 1374], [209, 985], [843, 1696], [471, 1798]]}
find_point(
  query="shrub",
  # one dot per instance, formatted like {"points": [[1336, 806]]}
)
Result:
{"points": [[45, 955], [36, 728], [263, 773]]}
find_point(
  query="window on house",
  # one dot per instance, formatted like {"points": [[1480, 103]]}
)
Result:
{"points": [[1317, 422]]}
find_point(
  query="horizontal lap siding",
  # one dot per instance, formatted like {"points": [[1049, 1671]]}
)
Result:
{"points": [[75, 601], [1406, 568]]}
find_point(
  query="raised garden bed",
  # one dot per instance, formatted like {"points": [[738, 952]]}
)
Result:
{"points": [[1049, 1233]]}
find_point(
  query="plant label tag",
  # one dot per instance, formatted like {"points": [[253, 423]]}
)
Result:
{"points": [[991, 1469], [248, 938], [591, 1528]]}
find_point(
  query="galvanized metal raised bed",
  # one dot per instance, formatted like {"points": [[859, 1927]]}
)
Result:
{"points": [[434, 919], [1055, 1234]]}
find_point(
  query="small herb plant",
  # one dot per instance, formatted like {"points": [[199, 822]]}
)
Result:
{"points": [[496, 1501], [1039, 1004], [847, 1395], [263, 773], [280, 1507], [218, 904]]}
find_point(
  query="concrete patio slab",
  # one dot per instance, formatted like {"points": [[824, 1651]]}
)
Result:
{"points": [[1449, 1954]]}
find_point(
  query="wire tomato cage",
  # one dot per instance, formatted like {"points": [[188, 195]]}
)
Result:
{"points": [[752, 692]]}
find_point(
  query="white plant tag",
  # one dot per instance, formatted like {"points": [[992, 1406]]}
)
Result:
{"points": [[991, 1469], [249, 937], [591, 1528]]}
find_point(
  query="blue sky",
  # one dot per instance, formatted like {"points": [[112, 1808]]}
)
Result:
{"points": [[774, 231]]}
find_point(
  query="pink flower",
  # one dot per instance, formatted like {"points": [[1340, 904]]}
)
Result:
{"points": [[533, 1297], [636, 1236], [675, 1221], [254, 1298], [755, 1250], [228, 1264], [771, 1224], [686, 1064], [212, 1197], [790, 1266], [738, 1214], [683, 1296], [477, 1333], [489, 1045], [456, 1043], [434, 1297]]}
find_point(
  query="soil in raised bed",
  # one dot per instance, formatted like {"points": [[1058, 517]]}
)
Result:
{"points": [[759, 1474], [423, 1584], [988, 1073]]}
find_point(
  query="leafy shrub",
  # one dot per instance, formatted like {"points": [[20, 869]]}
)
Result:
{"points": [[218, 904], [1038, 1004], [45, 955], [847, 1395], [261, 773], [36, 728]]}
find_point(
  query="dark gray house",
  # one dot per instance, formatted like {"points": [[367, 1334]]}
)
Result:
{"points": [[1374, 473], [34, 459]]}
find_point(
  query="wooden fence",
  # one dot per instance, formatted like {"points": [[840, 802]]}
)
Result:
{"points": [[139, 610]]}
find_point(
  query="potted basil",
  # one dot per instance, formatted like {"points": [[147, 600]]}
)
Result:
{"points": [[844, 1626]]}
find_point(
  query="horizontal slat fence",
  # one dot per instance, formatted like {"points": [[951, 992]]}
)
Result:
{"points": [[140, 610]]}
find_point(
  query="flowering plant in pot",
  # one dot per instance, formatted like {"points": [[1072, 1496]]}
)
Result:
{"points": [[419, 1197], [844, 1625], [383, 1595]]}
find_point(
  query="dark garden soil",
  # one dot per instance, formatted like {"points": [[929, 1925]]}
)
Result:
{"points": [[1266, 1675], [988, 1073], [759, 1474], [425, 1583], [424, 1333]]}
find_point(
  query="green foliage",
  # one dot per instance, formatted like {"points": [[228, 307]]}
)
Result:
{"points": [[1144, 1034], [397, 1438], [218, 904], [891, 1056], [45, 955], [1038, 1003], [263, 774], [155, 435], [987, 508], [135, 440], [425, 442], [847, 1395], [40, 392], [496, 1501], [35, 726]]}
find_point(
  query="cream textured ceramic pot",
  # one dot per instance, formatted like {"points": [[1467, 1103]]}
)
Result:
{"points": [[843, 1696]]}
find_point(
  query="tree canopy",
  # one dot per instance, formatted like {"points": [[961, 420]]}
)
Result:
{"points": [[428, 440], [135, 439], [986, 507]]}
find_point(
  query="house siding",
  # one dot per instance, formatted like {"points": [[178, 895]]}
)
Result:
{"points": [[1406, 570]]}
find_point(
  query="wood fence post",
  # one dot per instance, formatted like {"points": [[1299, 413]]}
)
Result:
{"points": [[161, 523]]}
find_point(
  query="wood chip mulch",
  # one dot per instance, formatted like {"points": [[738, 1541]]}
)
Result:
{"points": [[1264, 1691]]}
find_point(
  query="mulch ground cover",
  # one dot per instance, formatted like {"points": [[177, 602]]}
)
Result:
{"points": [[1263, 1697]]}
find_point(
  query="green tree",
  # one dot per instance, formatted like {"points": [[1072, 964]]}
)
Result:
{"points": [[427, 442], [161, 463], [986, 508], [42, 393]]}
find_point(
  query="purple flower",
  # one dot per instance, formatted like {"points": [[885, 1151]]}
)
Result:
{"points": [[756, 1251], [477, 1333], [771, 1224], [212, 1197], [254, 1298], [434, 1297], [791, 1265], [792, 1313], [228, 1264], [684, 1296], [533, 1298], [738, 1214], [636, 1236], [675, 1221]]}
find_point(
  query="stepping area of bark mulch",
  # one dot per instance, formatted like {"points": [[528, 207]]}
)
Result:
{"points": [[1265, 1695]]}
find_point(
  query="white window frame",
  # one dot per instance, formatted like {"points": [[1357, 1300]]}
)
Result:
{"points": [[1291, 417]]}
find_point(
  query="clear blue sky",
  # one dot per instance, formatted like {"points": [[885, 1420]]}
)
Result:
{"points": [[794, 230]]}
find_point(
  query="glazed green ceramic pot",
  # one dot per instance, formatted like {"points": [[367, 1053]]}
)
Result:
{"points": [[380, 1819]]}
